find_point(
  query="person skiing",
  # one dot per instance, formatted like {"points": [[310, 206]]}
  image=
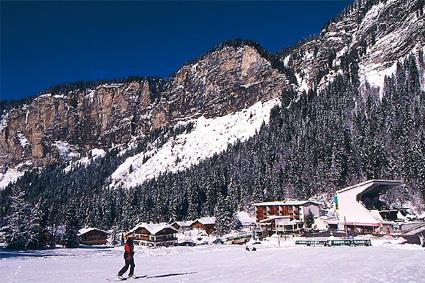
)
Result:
{"points": [[129, 259]]}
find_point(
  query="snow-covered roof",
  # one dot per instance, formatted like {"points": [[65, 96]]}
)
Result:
{"points": [[206, 220], [89, 229], [186, 223], [373, 184], [244, 218], [152, 228], [350, 209], [287, 202]]}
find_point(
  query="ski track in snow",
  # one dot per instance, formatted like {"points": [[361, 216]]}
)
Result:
{"points": [[221, 264]]}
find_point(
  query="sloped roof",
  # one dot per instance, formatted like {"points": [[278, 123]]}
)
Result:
{"points": [[287, 202], [183, 223], [375, 184], [351, 209], [206, 220], [152, 228], [244, 218], [89, 229]]}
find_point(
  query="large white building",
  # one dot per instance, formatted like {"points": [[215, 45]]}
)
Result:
{"points": [[359, 208]]}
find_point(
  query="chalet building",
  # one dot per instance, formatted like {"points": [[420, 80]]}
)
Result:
{"points": [[93, 236], [285, 216], [359, 209], [153, 235], [182, 226], [204, 223]]}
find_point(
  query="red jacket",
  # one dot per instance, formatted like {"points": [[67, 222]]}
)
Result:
{"points": [[128, 250]]}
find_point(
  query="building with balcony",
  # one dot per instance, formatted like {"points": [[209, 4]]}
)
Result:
{"points": [[93, 236], [153, 235], [206, 224], [285, 216]]}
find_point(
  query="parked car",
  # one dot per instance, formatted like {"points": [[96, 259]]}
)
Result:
{"points": [[187, 243], [239, 241], [218, 242], [201, 241]]}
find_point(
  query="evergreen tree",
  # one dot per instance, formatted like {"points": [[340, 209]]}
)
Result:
{"points": [[114, 235], [18, 232], [309, 219], [38, 234], [224, 216], [71, 228]]}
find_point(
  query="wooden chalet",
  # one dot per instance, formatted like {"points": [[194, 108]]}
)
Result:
{"points": [[93, 236], [153, 235], [204, 223]]}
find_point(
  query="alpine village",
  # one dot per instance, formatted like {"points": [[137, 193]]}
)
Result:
{"points": [[319, 147]]}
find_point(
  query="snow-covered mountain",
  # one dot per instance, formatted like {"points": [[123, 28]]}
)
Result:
{"points": [[225, 96], [66, 125], [368, 38]]}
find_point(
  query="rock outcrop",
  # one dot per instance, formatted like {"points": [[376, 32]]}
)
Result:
{"points": [[366, 39], [51, 126]]}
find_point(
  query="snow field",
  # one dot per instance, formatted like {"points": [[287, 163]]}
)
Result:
{"points": [[391, 263]]}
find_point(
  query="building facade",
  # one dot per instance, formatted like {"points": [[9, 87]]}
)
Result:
{"points": [[93, 236], [285, 216], [153, 235], [204, 223]]}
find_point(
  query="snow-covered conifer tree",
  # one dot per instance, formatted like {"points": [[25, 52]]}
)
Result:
{"points": [[18, 232], [37, 234], [71, 228]]}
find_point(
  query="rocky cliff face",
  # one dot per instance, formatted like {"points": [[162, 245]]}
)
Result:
{"points": [[58, 126], [53, 127], [222, 82], [367, 38]]}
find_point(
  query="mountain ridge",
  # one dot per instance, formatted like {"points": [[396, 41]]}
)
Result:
{"points": [[59, 128]]}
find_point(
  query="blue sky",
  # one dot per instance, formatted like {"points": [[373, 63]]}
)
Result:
{"points": [[46, 43]]}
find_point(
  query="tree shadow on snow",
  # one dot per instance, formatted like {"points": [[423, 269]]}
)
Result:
{"points": [[6, 253], [170, 274]]}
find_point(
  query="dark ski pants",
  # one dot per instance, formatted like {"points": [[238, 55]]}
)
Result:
{"points": [[127, 264]]}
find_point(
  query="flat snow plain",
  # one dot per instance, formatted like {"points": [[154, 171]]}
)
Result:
{"points": [[386, 263]]}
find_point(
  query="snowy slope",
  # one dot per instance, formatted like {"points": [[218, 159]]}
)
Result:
{"points": [[86, 160], [11, 175], [376, 64], [209, 136]]}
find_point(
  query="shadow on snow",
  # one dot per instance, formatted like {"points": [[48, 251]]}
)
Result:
{"points": [[169, 275]]}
